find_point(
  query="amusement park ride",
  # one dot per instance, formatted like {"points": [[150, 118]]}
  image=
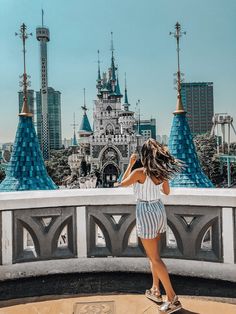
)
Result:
{"points": [[223, 120]]}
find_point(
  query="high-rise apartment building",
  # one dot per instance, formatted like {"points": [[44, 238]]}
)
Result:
{"points": [[147, 128], [197, 99]]}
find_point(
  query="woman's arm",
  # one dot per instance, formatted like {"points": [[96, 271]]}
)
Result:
{"points": [[165, 187], [131, 179], [132, 161]]}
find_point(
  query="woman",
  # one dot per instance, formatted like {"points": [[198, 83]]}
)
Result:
{"points": [[158, 167]]}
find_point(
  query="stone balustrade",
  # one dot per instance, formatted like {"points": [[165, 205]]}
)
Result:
{"points": [[72, 224]]}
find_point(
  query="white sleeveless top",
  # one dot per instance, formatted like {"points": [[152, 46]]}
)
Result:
{"points": [[148, 191]]}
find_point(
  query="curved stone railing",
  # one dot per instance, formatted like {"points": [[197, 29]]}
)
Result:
{"points": [[72, 224]]}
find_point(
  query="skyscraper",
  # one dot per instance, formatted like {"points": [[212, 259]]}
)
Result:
{"points": [[42, 35], [198, 101], [54, 117]]}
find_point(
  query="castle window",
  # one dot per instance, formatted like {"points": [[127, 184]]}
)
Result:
{"points": [[109, 108]]}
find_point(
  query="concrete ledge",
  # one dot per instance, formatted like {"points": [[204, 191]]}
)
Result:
{"points": [[189, 268], [114, 196]]}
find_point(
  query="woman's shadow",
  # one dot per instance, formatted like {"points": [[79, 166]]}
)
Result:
{"points": [[183, 311], [151, 310]]}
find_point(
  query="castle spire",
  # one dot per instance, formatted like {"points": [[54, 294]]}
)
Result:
{"points": [[99, 72], [25, 108], [113, 68], [74, 141], [26, 169], [84, 106], [179, 105], [85, 128], [126, 95], [181, 143], [117, 89]]}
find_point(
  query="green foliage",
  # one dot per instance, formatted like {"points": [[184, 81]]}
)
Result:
{"points": [[58, 167], [209, 160]]}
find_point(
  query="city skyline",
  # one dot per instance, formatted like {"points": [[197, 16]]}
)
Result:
{"points": [[145, 52]]}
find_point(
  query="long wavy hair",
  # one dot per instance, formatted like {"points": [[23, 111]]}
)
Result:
{"points": [[158, 162]]}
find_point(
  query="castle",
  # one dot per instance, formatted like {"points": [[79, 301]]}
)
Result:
{"points": [[108, 146]]}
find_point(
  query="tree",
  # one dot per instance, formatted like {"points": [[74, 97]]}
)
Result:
{"points": [[58, 167], [210, 162]]}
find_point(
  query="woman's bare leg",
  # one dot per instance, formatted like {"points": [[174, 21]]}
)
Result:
{"points": [[158, 267], [155, 278]]}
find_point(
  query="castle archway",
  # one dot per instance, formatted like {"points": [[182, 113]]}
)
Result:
{"points": [[110, 173]]}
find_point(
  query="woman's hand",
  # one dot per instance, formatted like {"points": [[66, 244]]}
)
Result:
{"points": [[133, 159]]}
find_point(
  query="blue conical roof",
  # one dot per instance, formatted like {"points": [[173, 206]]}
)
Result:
{"points": [[117, 90], [182, 147], [126, 97], [26, 169], [85, 125], [113, 68], [74, 141]]}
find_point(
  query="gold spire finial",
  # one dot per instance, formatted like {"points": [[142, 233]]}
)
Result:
{"points": [[25, 109], [179, 105]]}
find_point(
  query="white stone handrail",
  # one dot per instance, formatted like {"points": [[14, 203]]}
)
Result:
{"points": [[82, 205]]}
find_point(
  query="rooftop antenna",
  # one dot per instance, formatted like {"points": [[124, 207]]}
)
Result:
{"points": [[177, 34], [42, 17], [25, 109]]}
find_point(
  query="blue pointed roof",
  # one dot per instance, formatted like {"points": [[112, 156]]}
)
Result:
{"points": [[117, 89], [126, 102], [26, 169], [74, 141], [113, 68], [126, 97], [85, 125], [181, 146]]}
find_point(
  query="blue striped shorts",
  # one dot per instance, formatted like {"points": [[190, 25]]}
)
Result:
{"points": [[150, 218]]}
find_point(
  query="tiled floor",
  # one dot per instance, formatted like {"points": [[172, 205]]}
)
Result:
{"points": [[122, 304]]}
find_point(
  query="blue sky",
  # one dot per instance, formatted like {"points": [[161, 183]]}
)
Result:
{"points": [[143, 49]]}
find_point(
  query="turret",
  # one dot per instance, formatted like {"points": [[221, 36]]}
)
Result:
{"points": [[181, 143]]}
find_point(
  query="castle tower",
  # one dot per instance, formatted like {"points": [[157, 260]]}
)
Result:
{"points": [[181, 143], [126, 117], [85, 128], [74, 140], [26, 169], [43, 36]]}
